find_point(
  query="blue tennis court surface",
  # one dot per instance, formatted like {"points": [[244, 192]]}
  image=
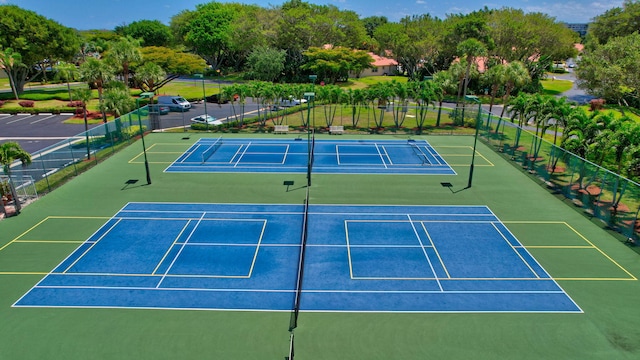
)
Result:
{"points": [[329, 157], [358, 259]]}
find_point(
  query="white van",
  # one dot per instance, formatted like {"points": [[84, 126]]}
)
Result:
{"points": [[175, 103]]}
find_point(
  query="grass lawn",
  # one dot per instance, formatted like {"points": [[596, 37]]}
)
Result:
{"points": [[555, 87]]}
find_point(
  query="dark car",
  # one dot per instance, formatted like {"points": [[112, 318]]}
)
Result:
{"points": [[158, 109], [216, 98]]}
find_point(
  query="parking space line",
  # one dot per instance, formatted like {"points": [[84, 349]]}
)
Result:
{"points": [[20, 118], [45, 118]]}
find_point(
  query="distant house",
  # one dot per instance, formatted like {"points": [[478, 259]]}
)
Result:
{"points": [[380, 66]]}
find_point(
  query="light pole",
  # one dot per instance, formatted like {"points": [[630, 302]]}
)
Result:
{"points": [[144, 95], [309, 96], [475, 138], [204, 99]]}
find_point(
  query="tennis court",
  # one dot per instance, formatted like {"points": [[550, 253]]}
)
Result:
{"points": [[204, 265], [326, 156], [358, 258]]}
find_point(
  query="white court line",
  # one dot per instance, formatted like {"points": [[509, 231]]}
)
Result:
{"points": [[433, 271], [381, 157]]}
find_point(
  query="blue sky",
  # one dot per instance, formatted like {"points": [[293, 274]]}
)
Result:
{"points": [[107, 14]]}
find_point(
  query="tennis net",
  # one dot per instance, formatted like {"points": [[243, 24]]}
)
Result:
{"points": [[206, 154], [293, 322], [419, 153]]}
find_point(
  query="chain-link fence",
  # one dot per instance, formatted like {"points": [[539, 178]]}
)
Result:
{"points": [[599, 192], [52, 166]]}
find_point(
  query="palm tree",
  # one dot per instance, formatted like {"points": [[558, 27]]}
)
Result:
{"points": [[425, 93], [84, 96], [67, 72], [149, 76], [471, 49], [495, 77], [118, 101], [401, 92], [97, 72], [122, 53], [382, 92], [445, 81], [9, 60], [516, 76], [10, 152]]}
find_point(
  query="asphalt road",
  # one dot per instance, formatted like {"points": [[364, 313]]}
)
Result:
{"points": [[36, 132]]}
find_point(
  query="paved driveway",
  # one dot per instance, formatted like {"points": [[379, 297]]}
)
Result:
{"points": [[35, 132]]}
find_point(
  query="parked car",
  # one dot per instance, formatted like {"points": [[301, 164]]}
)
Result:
{"points": [[175, 103], [159, 109], [292, 102], [205, 119], [216, 98]]}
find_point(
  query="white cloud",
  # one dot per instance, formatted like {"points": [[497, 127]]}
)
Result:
{"points": [[420, 2], [574, 12]]}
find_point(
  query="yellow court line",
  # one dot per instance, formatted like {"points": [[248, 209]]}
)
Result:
{"points": [[24, 233], [16, 239], [134, 158], [152, 162], [595, 279], [151, 147], [78, 217], [51, 241], [601, 252], [559, 247], [581, 236]]}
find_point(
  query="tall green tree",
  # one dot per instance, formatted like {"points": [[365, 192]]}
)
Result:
{"points": [[149, 76], [471, 49], [11, 151], [97, 73], [266, 63], [84, 96], [334, 64], [11, 63], [615, 22], [207, 31], [149, 32], [39, 41], [414, 43], [516, 76], [67, 72], [122, 53], [610, 71]]}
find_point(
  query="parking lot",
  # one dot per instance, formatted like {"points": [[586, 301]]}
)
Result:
{"points": [[36, 132]]}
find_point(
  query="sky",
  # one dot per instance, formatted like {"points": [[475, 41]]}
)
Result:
{"points": [[107, 14]]}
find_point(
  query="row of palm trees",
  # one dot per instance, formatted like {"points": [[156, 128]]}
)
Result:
{"points": [[603, 138], [393, 95]]}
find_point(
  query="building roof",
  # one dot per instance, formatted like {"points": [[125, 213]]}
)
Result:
{"points": [[379, 61]]}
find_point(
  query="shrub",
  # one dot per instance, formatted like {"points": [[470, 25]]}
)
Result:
{"points": [[26, 103], [596, 104], [2, 102], [74, 104]]}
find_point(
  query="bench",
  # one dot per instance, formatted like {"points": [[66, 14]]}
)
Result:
{"points": [[336, 130], [281, 129]]}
